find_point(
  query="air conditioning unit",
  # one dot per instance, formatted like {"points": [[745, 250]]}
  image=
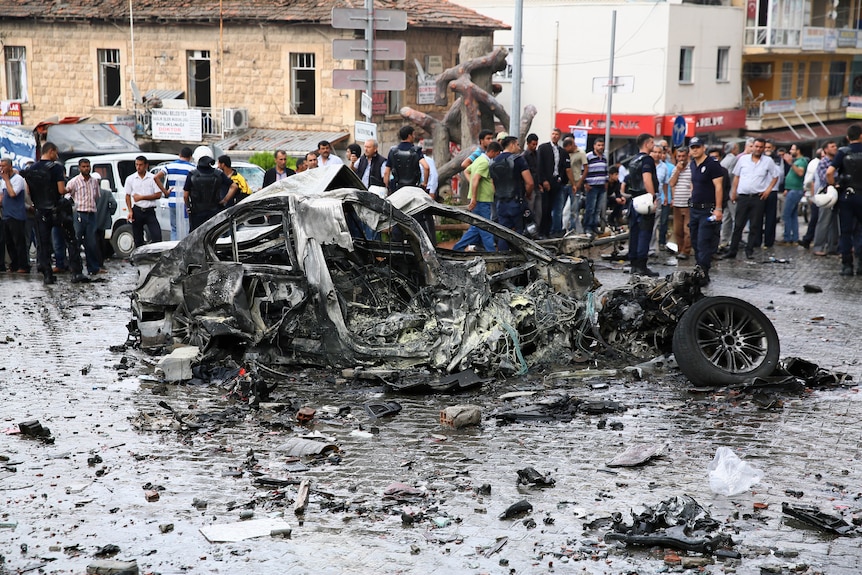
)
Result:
{"points": [[235, 119]]}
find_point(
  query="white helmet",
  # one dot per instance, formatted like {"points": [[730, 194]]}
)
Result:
{"points": [[202, 151], [644, 204], [826, 197]]}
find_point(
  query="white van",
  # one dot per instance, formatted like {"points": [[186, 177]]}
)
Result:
{"points": [[114, 169]]}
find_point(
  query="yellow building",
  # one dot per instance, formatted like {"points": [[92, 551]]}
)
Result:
{"points": [[801, 67]]}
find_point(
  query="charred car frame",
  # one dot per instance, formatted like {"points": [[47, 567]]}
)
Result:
{"points": [[289, 276]]}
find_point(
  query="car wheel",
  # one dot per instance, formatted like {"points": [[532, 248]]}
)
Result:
{"points": [[725, 340], [186, 329], [123, 241]]}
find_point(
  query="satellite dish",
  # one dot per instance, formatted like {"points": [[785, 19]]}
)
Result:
{"points": [[136, 94]]}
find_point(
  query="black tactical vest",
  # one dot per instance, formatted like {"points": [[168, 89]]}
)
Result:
{"points": [[205, 192]]}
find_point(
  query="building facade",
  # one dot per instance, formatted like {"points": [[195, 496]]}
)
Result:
{"points": [[670, 60], [801, 66], [249, 65], [783, 68]]}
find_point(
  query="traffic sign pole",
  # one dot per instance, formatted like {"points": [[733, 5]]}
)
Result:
{"points": [[369, 54], [369, 20]]}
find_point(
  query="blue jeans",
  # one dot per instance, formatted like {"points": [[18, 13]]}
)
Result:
{"points": [[58, 242], [705, 236], [770, 219], [510, 214], [88, 234], [790, 215], [591, 212], [473, 235], [173, 212]]}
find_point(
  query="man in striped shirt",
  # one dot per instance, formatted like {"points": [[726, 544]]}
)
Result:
{"points": [[680, 182], [176, 173], [595, 183], [85, 189]]}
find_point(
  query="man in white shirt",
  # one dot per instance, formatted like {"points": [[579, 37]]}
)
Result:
{"points": [[325, 157], [754, 178], [142, 191]]}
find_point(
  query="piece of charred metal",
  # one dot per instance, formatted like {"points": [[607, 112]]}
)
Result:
{"points": [[679, 522], [813, 516], [530, 476], [517, 509], [700, 545]]}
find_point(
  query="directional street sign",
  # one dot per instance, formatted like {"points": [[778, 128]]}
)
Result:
{"points": [[355, 19], [365, 105], [679, 128], [364, 131], [621, 84], [358, 49], [388, 80]]}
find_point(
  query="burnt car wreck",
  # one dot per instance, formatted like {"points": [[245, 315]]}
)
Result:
{"points": [[315, 270]]}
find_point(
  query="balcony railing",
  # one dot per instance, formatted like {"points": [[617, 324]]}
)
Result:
{"points": [[775, 37]]}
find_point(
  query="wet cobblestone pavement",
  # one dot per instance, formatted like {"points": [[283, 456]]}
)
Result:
{"points": [[65, 509]]}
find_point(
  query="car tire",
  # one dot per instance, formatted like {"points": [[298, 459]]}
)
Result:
{"points": [[123, 241], [725, 340]]}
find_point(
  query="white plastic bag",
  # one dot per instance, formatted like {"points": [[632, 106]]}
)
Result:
{"points": [[729, 475]]}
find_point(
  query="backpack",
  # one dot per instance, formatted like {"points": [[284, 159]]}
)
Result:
{"points": [[406, 168], [635, 178], [503, 174], [42, 186], [205, 192]]}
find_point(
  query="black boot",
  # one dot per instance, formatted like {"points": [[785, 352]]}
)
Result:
{"points": [[640, 267]]}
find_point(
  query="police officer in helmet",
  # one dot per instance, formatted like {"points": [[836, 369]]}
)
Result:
{"points": [[848, 165]]}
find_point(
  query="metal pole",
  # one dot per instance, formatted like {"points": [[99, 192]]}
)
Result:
{"points": [[611, 86], [515, 113], [369, 51], [132, 37]]}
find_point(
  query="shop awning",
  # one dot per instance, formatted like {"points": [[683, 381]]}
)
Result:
{"points": [[837, 131]]}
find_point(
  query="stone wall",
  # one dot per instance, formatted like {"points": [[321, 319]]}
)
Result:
{"points": [[63, 69]]}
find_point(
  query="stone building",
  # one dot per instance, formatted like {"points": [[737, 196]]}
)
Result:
{"points": [[250, 66]]}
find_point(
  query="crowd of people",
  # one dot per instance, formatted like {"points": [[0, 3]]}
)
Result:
{"points": [[708, 203], [704, 202]]}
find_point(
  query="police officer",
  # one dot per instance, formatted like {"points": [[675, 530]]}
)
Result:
{"points": [[47, 182], [848, 163], [513, 185], [202, 192], [406, 166], [641, 180], [706, 211]]}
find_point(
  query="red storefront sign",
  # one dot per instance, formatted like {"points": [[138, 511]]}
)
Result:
{"points": [[697, 124], [621, 124]]}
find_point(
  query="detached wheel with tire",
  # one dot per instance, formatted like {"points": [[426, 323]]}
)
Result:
{"points": [[123, 241], [725, 340]]}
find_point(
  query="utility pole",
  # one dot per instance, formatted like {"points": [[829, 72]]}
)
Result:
{"points": [[611, 86], [515, 114]]}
